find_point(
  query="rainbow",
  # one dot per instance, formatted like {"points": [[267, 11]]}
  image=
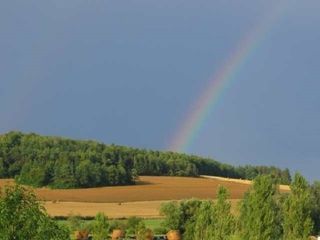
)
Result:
{"points": [[208, 99]]}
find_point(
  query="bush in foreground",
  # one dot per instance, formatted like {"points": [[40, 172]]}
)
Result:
{"points": [[23, 217]]}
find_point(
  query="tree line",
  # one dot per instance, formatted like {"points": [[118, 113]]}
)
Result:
{"points": [[64, 163], [264, 213]]}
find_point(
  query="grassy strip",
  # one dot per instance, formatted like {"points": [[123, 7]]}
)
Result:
{"points": [[153, 223]]}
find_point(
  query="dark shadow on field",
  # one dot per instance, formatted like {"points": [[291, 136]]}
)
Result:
{"points": [[144, 183]]}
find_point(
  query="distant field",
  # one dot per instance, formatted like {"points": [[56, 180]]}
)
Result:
{"points": [[147, 189], [146, 209], [143, 199]]}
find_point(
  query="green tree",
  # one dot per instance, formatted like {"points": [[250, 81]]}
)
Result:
{"points": [[63, 177], [2, 169], [259, 213], [172, 212], [224, 223], [75, 223], [204, 222], [181, 216], [285, 177], [213, 220], [32, 174], [22, 217], [297, 223], [133, 224], [63, 163], [87, 174], [315, 194], [100, 227]]}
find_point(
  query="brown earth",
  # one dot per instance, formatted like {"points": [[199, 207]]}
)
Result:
{"points": [[145, 209], [147, 189], [143, 199]]}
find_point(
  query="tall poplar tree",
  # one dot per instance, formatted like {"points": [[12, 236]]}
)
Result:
{"points": [[259, 214], [204, 222], [297, 223], [224, 223]]}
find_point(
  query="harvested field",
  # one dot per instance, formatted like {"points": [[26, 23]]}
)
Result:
{"points": [[283, 188], [145, 209], [143, 199], [148, 209], [147, 189]]}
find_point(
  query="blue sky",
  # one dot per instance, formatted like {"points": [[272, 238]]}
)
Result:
{"points": [[126, 72]]}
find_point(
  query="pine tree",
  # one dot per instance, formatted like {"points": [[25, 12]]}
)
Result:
{"points": [[297, 211]]}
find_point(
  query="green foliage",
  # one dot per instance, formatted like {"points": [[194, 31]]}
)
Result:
{"points": [[200, 220], [172, 212], [213, 220], [87, 174], [297, 222], [117, 224], [251, 172], [22, 217], [224, 222], [160, 230], [259, 214], [315, 213], [180, 215], [204, 222], [265, 214], [75, 223], [100, 227], [134, 224], [143, 233], [2, 168], [64, 163], [33, 175]]}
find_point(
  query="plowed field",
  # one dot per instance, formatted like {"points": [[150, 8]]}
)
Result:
{"points": [[143, 199]]}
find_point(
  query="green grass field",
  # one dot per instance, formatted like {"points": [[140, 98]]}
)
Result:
{"points": [[153, 223], [150, 223]]}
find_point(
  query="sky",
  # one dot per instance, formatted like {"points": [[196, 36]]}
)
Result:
{"points": [[127, 72]]}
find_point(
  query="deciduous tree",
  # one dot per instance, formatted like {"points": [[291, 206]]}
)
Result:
{"points": [[259, 214], [297, 223], [22, 217]]}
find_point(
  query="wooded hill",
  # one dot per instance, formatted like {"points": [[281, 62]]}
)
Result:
{"points": [[64, 163]]}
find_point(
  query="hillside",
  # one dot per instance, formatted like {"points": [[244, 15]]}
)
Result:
{"points": [[64, 163], [143, 199]]}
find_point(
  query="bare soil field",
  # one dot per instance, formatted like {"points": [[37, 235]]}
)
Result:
{"points": [[143, 199], [146, 189]]}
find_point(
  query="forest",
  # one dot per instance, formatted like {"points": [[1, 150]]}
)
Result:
{"points": [[65, 163]]}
